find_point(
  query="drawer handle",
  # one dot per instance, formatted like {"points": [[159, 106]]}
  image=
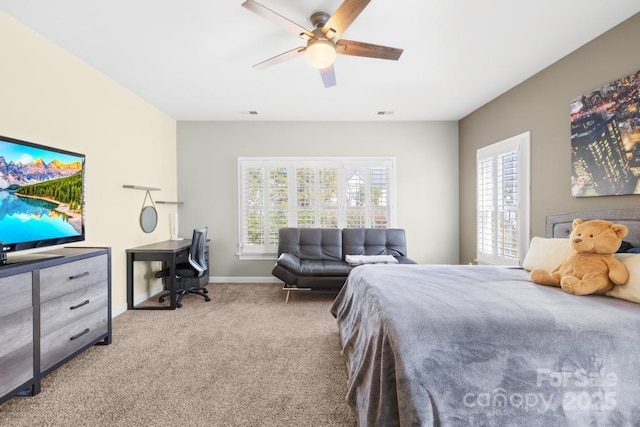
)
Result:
{"points": [[75, 337], [77, 276], [73, 307]]}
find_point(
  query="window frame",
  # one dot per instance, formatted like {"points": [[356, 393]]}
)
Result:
{"points": [[341, 164], [520, 143]]}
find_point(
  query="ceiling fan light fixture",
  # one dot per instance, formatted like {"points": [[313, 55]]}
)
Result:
{"points": [[321, 53], [324, 40]]}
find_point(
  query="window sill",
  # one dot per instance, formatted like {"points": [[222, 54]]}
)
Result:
{"points": [[257, 257]]}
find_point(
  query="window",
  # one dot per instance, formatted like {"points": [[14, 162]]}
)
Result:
{"points": [[503, 201], [311, 192]]}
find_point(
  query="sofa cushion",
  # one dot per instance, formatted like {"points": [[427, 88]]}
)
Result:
{"points": [[311, 243], [324, 268], [374, 241]]}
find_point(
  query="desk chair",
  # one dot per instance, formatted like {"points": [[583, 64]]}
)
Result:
{"points": [[192, 271]]}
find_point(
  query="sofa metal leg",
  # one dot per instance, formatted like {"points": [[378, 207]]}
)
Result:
{"points": [[289, 289]]}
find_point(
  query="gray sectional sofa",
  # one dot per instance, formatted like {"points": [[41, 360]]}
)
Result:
{"points": [[314, 258]]}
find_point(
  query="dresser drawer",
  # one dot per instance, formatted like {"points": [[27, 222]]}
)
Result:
{"points": [[16, 368], [66, 309], [15, 293], [69, 277], [16, 330], [65, 341]]}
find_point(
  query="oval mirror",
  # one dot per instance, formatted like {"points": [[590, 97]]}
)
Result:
{"points": [[148, 219]]}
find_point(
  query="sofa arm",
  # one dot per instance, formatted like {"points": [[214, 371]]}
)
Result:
{"points": [[289, 261]]}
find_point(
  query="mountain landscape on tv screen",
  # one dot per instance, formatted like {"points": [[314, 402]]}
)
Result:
{"points": [[13, 175]]}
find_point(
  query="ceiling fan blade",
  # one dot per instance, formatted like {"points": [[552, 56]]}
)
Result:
{"points": [[280, 58], [354, 48], [328, 76], [343, 17], [278, 19]]}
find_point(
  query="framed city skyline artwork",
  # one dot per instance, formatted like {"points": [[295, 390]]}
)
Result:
{"points": [[605, 140]]}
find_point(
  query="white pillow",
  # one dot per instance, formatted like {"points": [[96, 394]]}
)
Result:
{"points": [[370, 259], [630, 291], [547, 253]]}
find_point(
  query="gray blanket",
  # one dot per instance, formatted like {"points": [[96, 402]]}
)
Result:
{"points": [[483, 346]]}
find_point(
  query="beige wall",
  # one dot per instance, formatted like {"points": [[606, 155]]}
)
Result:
{"points": [[50, 97], [541, 105], [427, 179]]}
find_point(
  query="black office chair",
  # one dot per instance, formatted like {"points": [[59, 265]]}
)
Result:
{"points": [[190, 272]]}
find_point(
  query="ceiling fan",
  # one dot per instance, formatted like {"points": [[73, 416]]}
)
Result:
{"points": [[324, 42]]}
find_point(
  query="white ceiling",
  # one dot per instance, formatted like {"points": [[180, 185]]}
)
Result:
{"points": [[192, 58]]}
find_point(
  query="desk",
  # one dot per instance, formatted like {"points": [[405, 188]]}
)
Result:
{"points": [[170, 252]]}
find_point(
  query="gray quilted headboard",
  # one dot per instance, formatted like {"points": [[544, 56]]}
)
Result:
{"points": [[559, 225]]}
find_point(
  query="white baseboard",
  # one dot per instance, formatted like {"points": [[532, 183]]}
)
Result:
{"points": [[116, 311], [146, 295], [255, 279]]}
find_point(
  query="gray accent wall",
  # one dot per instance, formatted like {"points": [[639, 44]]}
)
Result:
{"points": [[427, 179], [541, 105]]}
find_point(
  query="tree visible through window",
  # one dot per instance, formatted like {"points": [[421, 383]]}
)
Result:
{"points": [[303, 192]]}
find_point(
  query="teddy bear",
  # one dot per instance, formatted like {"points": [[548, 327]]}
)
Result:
{"points": [[592, 268]]}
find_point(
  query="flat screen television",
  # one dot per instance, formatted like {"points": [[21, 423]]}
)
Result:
{"points": [[41, 196]]}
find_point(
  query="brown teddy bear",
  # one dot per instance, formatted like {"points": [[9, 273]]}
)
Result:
{"points": [[592, 269]]}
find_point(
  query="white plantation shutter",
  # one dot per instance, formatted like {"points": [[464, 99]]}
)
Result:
{"points": [[380, 178], [503, 201], [306, 195], [485, 210], [311, 192], [264, 203], [328, 195]]}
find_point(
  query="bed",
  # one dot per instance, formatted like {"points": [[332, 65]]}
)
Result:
{"points": [[444, 345]]}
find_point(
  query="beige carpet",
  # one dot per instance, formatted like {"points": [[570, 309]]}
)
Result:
{"points": [[243, 359]]}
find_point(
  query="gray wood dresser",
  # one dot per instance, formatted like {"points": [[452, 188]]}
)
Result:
{"points": [[51, 309]]}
